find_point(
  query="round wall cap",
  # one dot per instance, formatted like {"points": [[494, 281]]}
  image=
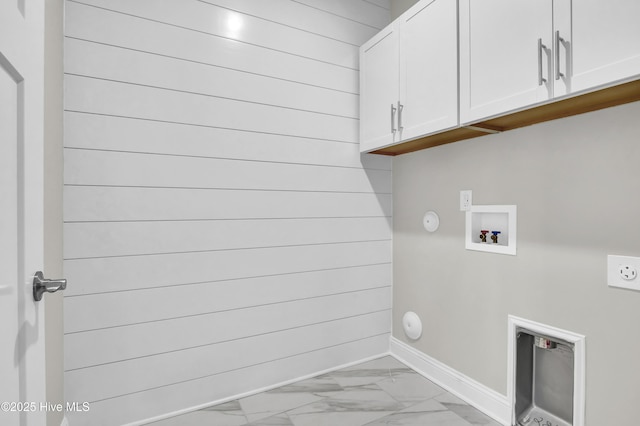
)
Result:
{"points": [[431, 221], [412, 325]]}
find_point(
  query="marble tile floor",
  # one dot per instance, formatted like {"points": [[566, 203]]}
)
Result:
{"points": [[375, 393]]}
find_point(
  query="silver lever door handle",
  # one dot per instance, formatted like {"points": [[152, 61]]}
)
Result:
{"points": [[42, 285]]}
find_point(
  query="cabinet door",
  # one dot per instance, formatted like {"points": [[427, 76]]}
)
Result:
{"points": [[428, 68], [502, 65], [605, 43], [379, 90]]}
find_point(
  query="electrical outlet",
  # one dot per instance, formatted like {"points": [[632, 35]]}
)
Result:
{"points": [[622, 271], [627, 272], [465, 200]]}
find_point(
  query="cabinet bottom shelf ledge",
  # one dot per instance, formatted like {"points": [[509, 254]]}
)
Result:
{"points": [[592, 101]]}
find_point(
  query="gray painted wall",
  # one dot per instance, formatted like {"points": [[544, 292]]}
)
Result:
{"points": [[398, 7], [576, 183]]}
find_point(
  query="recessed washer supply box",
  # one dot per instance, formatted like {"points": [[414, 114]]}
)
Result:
{"points": [[497, 223]]}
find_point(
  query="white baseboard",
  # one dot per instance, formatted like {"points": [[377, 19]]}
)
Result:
{"points": [[490, 402]]}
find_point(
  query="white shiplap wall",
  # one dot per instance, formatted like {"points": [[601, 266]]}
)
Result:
{"points": [[222, 232]]}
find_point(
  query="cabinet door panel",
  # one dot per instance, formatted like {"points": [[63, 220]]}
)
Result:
{"points": [[378, 89], [500, 63], [429, 68], [605, 44]]}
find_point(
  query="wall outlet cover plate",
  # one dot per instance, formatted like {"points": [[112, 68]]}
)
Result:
{"points": [[622, 272], [466, 200]]}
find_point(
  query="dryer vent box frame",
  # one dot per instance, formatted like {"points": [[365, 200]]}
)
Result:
{"points": [[545, 374]]}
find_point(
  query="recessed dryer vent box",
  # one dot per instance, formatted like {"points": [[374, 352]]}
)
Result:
{"points": [[546, 375], [497, 224]]}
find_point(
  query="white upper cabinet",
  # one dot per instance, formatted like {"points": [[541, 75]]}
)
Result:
{"points": [[514, 54], [504, 55], [428, 69], [408, 76], [605, 42], [454, 64], [379, 89]]}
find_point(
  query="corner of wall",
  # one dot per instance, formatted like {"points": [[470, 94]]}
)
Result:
{"points": [[53, 103]]}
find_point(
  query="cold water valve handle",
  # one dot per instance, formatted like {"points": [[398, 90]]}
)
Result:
{"points": [[494, 237]]}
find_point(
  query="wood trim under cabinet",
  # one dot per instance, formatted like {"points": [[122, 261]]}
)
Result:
{"points": [[592, 101]]}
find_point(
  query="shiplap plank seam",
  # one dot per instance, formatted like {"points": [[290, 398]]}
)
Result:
{"points": [[93, 131], [188, 348], [177, 58], [225, 219], [382, 4], [151, 371], [280, 23], [225, 189], [229, 279], [233, 25], [215, 35], [187, 92], [241, 368], [313, 20], [148, 36], [227, 249], [100, 204], [224, 158], [224, 310], [209, 126], [327, 11]]}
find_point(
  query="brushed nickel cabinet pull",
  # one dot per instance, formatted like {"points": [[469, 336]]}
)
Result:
{"points": [[558, 40], [541, 79], [393, 118]]}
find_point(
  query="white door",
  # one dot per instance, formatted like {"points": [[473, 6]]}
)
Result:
{"points": [[379, 90], [22, 372], [428, 68], [505, 56], [605, 43]]}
